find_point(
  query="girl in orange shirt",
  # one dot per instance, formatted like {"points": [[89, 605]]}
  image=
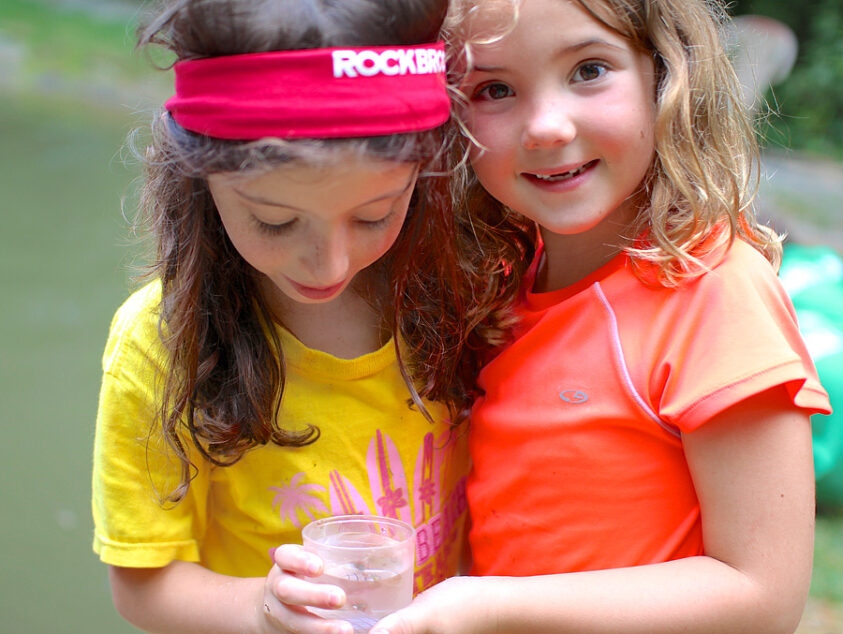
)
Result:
{"points": [[642, 451]]}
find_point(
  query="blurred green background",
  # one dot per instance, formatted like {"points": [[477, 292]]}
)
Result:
{"points": [[810, 100], [71, 88]]}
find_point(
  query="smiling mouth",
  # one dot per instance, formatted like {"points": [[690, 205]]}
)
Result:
{"points": [[563, 176]]}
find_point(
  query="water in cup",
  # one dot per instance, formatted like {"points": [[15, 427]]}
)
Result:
{"points": [[371, 559], [371, 594]]}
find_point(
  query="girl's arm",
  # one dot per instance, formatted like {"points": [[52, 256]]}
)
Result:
{"points": [[185, 597], [753, 472]]}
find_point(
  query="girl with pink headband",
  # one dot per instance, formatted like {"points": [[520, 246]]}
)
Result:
{"points": [[301, 346]]}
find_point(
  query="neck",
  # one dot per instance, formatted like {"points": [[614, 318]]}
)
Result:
{"points": [[563, 267], [347, 327], [571, 257]]}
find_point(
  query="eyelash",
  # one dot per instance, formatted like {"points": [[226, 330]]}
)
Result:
{"points": [[287, 227], [377, 224], [275, 230]]}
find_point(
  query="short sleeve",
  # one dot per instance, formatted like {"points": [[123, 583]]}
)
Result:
{"points": [[729, 335], [133, 470]]}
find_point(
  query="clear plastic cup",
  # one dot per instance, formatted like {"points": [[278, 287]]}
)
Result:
{"points": [[371, 558]]}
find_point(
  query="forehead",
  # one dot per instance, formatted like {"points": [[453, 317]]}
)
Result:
{"points": [[621, 17], [537, 25], [485, 21], [316, 167], [339, 183]]}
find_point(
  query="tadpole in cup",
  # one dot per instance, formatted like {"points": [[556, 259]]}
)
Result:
{"points": [[372, 558]]}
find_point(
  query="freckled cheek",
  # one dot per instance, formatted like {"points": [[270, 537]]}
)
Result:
{"points": [[374, 248], [634, 137], [483, 167], [239, 238], [647, 137], [496, 147], [494, 174], [391, 236], [647, 118], [255, 250], [259, 256], [493, 133]]}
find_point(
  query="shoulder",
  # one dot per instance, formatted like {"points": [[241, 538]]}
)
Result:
{"points": [[738, 295], [740, 300], [719, 338], [741, 280], [134, 327], [736, 277], [741, 260]]}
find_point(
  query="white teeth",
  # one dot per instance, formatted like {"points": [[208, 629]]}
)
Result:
{"points": [[552, 178]]}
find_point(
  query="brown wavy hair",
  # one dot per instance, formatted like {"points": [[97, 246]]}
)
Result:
{"points": [[227, 377], [700, 188]]}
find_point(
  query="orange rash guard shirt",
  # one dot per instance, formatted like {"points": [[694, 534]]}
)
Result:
{"points": [[577, 443]]}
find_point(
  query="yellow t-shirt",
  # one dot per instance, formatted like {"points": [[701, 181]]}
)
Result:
{"points": [[375, 456]]}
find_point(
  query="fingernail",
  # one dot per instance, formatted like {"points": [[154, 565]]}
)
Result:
{"points": [[314, 566], [272, 552], [337, 599]]}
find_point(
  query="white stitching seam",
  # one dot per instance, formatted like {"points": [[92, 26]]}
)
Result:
{"points": [[616, 344]]}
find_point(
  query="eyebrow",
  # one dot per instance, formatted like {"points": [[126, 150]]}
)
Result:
{"points": [[271, 203], [561, 52]]}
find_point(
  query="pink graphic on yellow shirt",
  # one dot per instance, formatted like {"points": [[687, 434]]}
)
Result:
{"points": [[387, 479], [426, 481], [345, 499], [295, 498], [433, 458], [435, 505]]}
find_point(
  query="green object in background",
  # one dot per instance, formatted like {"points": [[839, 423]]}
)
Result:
{"points": [[813, 277]]}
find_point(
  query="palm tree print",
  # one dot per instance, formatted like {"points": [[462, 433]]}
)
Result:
{"points": [[294, 498]]}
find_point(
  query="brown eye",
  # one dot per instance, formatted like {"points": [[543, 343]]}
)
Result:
{"points": [[590, 71], [493, 91]]}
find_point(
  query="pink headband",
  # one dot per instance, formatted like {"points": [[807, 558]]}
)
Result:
{"points": [[314, 93]]}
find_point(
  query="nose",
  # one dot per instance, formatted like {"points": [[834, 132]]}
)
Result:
{"points": [[548, 123], [326, 257]]}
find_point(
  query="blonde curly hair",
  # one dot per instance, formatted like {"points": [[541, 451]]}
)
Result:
{"points": [[700, 188]]}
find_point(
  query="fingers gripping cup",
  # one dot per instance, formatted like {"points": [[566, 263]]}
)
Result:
{"points": [[371, 558]]}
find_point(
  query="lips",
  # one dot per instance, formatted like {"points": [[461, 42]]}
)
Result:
{"points": [[561, 176], [313, 292]]}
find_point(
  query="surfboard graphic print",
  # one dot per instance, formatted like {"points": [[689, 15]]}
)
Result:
{"points": [[345, 498], [387, 479]]}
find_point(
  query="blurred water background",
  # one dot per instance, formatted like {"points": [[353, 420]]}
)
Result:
{"points": [[71, 88]]}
